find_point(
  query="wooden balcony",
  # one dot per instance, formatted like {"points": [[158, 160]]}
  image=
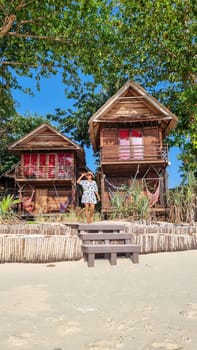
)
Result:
{"points": [[134, 154], [44, 173]]}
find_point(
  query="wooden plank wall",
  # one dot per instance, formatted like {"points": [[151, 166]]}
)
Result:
{"points": [[151, 135], [130, 107]]}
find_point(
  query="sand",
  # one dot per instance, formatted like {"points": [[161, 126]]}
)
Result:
{"points": [[68, 306]]}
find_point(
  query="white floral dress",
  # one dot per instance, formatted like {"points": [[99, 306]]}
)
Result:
{"points": [[89, 189]]}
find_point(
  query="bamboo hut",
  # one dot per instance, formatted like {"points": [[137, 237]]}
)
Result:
{"points": [[129, 130], [45, 177]]}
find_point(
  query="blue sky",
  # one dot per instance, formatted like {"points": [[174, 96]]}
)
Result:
{"points": [[52, 96]]}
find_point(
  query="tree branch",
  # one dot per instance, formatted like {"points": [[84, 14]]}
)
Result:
{"points": [[31, 65], [30, 21], [12, 63], [22, 4], [7, 25], [169, 52], [40, 37], [2, 8]]}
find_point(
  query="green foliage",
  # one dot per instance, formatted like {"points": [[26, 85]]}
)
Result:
{"points": [[87, 99], [37, 38], [86, 102], [6, 209], [78, 215], [183, 201], [130, 203], [152, 42], [72, 215], [140, 203], [13, 128], [118, 204]]}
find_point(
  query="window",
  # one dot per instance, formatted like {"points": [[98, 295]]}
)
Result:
{"points": [[47, 165], [30, 164], [131, 144], [124, 142], [137, 144], [64, 164]]}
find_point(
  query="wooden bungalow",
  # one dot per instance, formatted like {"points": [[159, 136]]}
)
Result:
{"points": [[46, 175], [129, 130]]}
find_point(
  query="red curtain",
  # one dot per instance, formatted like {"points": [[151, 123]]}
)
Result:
{"points": [[51, 159], [34, 159], [124, 134], [68, 158], [61, 157], [30, 163], [51, 165], [124, 148], [26, 159], [136, 133], [42, 165], [42, 159], [137, 143]]}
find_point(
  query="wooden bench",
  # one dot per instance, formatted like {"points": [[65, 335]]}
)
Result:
{"points": [[107, 243]]}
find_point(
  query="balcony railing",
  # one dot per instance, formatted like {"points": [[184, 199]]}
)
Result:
{"points": [[137, 153], [44, 172]]}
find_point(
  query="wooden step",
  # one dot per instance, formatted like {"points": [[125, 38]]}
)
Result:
{"points": [[90, 250], [101, 227], [108, 239], [105, 236]]}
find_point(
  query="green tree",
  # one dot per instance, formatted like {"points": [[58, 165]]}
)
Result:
{"points": [[87, 99], [39, 37], [36, 39], [150, 41], [154, 43], [13, 128]]}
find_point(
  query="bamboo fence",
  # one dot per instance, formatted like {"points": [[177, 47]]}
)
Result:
{"points": [[155, 243], [42, 228], [50, 242], [39, 248]]}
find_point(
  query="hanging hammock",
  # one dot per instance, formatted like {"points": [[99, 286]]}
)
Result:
{"points": [[111, 188], [153, 197], [63, 206], [117, 193], [27, 203]]}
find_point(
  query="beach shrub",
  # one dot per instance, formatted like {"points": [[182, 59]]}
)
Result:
{"points": [[130, 203], [71, 215], [182, 201], [7, 214], [78, 215]]}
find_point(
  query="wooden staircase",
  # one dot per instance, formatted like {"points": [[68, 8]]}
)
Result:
{"points": [[107, 239]]}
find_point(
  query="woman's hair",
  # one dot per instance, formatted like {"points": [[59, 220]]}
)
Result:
{"points": [[90, 173]]}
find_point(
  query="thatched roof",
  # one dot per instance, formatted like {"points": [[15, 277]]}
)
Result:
{"points": [[136, 94], [45, 137]]}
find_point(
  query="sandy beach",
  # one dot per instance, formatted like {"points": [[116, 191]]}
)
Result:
{"points": [[68, 306]]}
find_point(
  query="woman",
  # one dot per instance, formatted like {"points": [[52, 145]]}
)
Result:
{"points": [[90, 194]]}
